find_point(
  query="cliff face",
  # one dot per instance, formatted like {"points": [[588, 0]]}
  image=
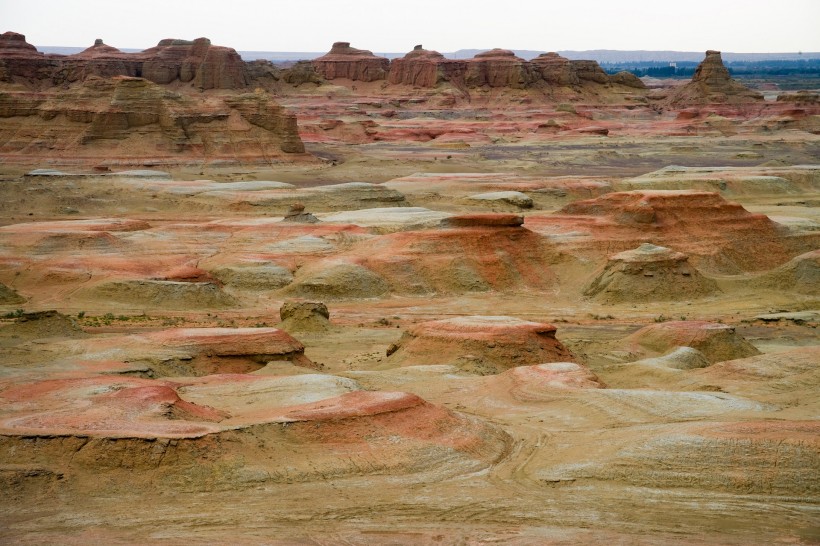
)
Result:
{"points": [[712, 83], [348, 62], [134, 118], [498, 68], [423, 68], [204, 65]]}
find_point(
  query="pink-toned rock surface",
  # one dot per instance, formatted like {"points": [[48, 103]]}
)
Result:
{"points": [[718, 235], [343, 61], [424, 68]]}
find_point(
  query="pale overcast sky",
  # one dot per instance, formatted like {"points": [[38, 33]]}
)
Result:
{"points": [[392, 26]]}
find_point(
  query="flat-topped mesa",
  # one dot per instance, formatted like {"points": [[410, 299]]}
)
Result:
{"points": [[479, 344], [712, 83], [343, 61], [425, 68], [498, 68], [197, 61], [13, 44]]}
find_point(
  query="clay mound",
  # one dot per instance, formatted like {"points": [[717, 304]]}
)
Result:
{"points": [[42, 324], [424, 68], [649, 273], [532, 383], [144, 294], [718, 235], [189, 274], [337, 280], [682, 358], [790, 378], [257, 344], [627, 79], [9, 296], [717, 342], [127, 424], [498, 68], [712, 83], [801, 274], [479, 344], [254, 277], [472, 253], [304, 316]]}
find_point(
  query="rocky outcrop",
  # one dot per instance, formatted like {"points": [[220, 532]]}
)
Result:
{"points": [[479, 344], [712, 83], [555, 69], [627, 79], [197, 62], [21, 60], [133, 118], [350, 63], [423, 68], [498, 68]]}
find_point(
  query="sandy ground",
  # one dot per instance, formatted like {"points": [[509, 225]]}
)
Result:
{"points": [[724, 454]]}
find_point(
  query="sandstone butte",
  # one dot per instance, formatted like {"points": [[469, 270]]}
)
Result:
{"points": [[197, 62]]}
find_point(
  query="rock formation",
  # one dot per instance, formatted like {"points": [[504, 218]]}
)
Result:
{"points": [[304, 316], [717, 342], [424, 68], [479, 344], [718, 235], [343, 61], [498, 68], [197, 62], [297, 214], [649, 273], [132, 118], [712, 83]]}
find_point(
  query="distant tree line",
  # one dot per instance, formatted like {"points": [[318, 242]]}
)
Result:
{"points": [[685, 69]]}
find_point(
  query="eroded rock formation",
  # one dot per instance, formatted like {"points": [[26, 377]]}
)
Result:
{"points": [[712, 83], [134, 118], [343, 61]]}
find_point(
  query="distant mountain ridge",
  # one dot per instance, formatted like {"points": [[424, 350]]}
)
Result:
{"points": [[599, 55]]}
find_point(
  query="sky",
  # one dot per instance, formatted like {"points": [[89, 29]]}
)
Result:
{"points": [[747, 26]]}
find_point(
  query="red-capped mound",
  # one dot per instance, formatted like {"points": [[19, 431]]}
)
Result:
{"points": [[258, 344], [484, 345], [718, 235], [111, 427], [485, 252], [189, 274], [343, 61], [204, 65], [718, 342]]}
